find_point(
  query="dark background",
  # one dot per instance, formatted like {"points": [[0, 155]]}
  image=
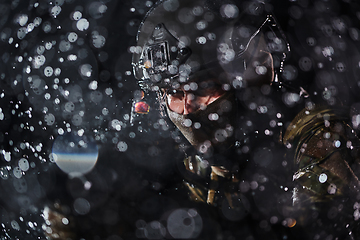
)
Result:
{"points": [[131, 188]]}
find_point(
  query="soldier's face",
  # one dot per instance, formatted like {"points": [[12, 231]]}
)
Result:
{"points": [[204, 113], [193, 96]]}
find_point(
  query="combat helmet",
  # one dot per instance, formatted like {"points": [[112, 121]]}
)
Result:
{"points": [[181, 40]]}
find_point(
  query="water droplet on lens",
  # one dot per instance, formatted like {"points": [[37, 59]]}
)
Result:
{"points": [[48, 71], [75, 154], [15, 225], [23, 164], [98, 41], [184, 224], [77, 15], [4, 173], [47, 27], [323, 178], [22, 32], [83, 24], [49, 119], [86, 70], [81, 206], [122, 146], [20, 185], [305, 64], [97, 9], [185, 16], [55, 11], [229, 11], [17, 172], [72, 37], [171, 5]]}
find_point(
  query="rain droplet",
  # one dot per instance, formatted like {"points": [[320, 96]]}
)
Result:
{"points": [[305, 64], [20, 185], [116, 124], [97, 9], [55, 11], [86, 70], [289, 72], [229, 11], [17, 172], [201, 40], [185, 15], [4, 173], [15, 225], [37, 21], [221, 135], [340, 67], [98, 41], [30, 27], [197, 11], [81, 206], [49, 119], [187, 122], [332, 188], [69, 106], [76, 120], [201, 25], [83, 24], [323, 178], [22, 32], [261, 70], [64, 46], [171, 5], [122, 146], [213, 116], [72, 57], [48, 71], [47, 27], [93, 85], [77, 15], [72, 37], [23, 164], [39, 61], [184, 224], [7, 156], [22, 19]]}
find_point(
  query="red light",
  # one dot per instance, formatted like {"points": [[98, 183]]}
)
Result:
{"points": [[141, 107]]}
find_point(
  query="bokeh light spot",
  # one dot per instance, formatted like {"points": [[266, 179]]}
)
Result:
{"points": [[75, 155]]}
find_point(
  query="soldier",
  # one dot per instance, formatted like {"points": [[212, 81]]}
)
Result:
{"points": [[216, 67]]}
